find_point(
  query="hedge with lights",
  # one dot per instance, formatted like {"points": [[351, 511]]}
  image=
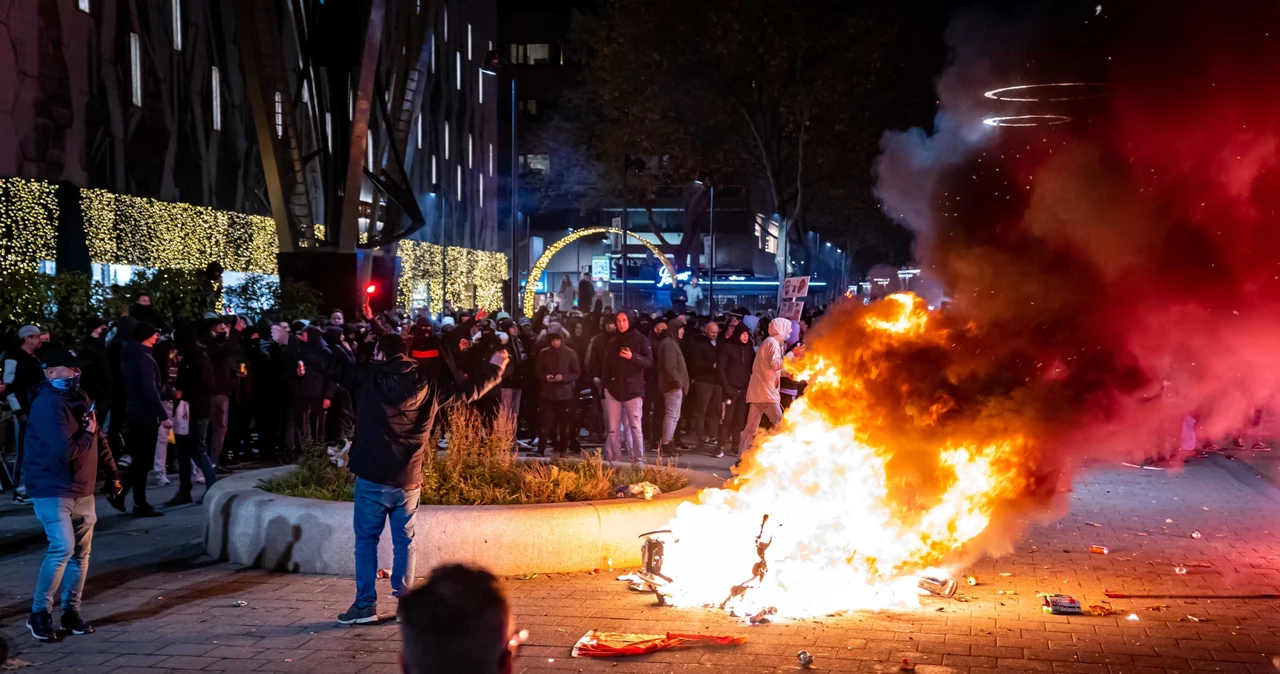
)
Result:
{"points": [[141, 232], [450, 272]]}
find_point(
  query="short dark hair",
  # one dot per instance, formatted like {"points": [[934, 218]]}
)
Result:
{"points": [[457, 622], [391, 345]]}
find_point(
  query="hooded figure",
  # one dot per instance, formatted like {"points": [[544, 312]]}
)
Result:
{"points": [[763, 398]]}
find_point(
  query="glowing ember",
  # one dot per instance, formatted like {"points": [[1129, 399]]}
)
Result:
{"points": [[845, 525], [1027, 120]]}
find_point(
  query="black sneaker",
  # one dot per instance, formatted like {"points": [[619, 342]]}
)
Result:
{"points": [[146, 511], [21, 499], [71, 622], [358, 615], [41, 626], [178, 499]]}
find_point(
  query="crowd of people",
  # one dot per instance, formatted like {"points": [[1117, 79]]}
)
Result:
{"points": [[134, 400]]}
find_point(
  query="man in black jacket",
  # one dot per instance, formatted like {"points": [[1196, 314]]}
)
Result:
{"points": [[733, 369], [623, 362], [194, 387], [224, 361], [395, 408], [146, 415], [21, 375], [701, 350], [557, 371], [64, 453]]}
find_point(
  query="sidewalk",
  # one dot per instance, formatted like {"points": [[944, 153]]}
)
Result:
{"points": [[179, 617]]}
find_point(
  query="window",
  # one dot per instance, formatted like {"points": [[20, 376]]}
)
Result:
{"points": [[368, 150], [458, 78], [419, 130], [490, 160], [177, 23], [279, 115], [536, 163], [215, 98], [135, 69], [306, 92], [432, 39], [480, 86], [531, 54], [83, 5], [471, 147], [480, 184], [417, 7], [434, 180], [446, 24], [446, 141], [469, 54], [328, 128], [528, 106], [459, 182]]}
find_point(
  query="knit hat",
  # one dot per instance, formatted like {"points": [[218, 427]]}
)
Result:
{"points": [[143, 332], [28, 331], [93, 323]]}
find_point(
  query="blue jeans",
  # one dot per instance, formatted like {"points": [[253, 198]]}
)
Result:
{"points": [[194, 448], [673, 400], [374, 503], [617, 415], [68, 524]]}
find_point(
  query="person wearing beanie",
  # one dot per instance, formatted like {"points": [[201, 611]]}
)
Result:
{"points": [[65, 451], [144, 411]]}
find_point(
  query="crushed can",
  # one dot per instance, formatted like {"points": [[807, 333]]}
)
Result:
{"points": [[805, 658], [1061, 604], [943, 587], [1098, 549]]}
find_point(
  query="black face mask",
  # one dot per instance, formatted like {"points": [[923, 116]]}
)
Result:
{"points": [[220, 336]]}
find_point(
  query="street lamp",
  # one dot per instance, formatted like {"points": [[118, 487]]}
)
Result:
{"points": [[711, 225], [493, 61]]}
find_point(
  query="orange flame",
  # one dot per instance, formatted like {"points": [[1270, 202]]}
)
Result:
{"points": [[850, 522]]}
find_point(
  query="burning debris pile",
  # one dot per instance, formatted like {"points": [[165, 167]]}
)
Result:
{"points": [[1111, 276]]}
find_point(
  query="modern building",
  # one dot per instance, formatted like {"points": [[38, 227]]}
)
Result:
{"points": [[355, 126]]}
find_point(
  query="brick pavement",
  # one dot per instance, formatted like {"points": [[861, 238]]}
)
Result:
{"points": [[181, 618]]}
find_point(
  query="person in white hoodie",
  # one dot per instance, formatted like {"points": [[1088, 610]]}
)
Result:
{"points": [[763, 398]]}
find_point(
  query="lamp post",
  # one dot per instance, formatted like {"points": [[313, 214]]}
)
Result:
{"points": [[492, 62], [711, 226]]}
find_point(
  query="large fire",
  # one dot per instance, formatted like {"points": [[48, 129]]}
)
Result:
{"points": [[824, 515]]}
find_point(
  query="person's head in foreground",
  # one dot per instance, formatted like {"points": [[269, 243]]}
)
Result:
{"points": [[458, 622]]}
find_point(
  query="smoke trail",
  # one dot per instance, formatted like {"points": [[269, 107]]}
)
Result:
{"points": [[1132, 253]]}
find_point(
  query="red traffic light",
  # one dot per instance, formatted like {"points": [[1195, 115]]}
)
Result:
{"points": [[370, 289]]}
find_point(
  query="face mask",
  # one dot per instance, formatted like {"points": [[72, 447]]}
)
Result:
{"points": [[220, 336], [71, 383]]}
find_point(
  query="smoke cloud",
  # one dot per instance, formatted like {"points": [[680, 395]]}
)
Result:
{"points": [[1112, 274]]}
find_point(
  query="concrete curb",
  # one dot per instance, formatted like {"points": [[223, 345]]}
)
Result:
{"points": [[246, 525]]}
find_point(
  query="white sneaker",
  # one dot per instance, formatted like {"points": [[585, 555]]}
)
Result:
{"points": [[199, 477], [159, 479]]}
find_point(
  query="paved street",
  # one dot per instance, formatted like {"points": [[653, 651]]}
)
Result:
{"points": [[156, 617]]}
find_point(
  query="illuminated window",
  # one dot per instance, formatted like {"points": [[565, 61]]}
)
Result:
{"points": [[528, 106], [459, 182], [135, 69], [490, 160], [328, 128], [417, 7], [469, 55], [432, 39], [446, 24], [419, 130], [446, 141], [83, 5], [306, 92], [177, 23], [537, 163], [480, 183], [531, 54], [215, 96], [458, 78], [480, 86], [279, 115], [368, 150], [471, 149], [433, 170]]}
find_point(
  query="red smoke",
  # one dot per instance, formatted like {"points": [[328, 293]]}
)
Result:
{"points": [[1122, 268]]}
